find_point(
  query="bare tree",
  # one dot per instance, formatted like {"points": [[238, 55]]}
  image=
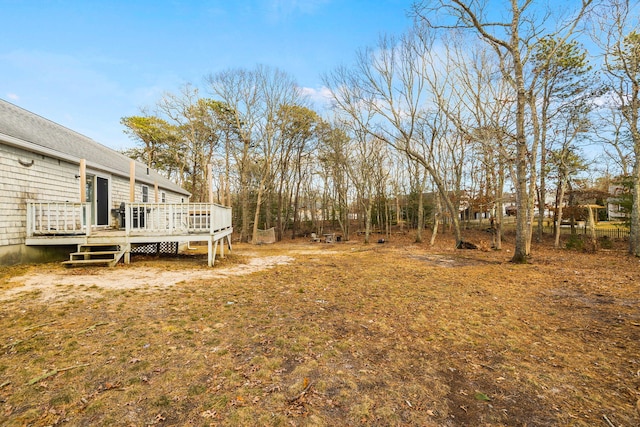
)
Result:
{"points": [[512, 40], [239, 90], [255, 98], [478, 104], [297, 135], [365, 164], [333, 156], [618, 36], [386, 93], [611, 133]]}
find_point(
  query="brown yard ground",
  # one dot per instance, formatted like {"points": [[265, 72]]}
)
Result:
{"points": [[314, 334]]}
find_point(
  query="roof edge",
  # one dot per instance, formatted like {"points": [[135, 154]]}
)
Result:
{"points": [[38, 149]]}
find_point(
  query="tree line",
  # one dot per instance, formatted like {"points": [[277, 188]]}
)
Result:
{"points": [[467, 106]]}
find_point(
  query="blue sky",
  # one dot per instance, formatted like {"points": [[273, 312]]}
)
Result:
{"points": [[87, 63]]}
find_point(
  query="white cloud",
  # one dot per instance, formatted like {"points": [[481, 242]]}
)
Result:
{"points": [[321, 97], [13, 96]]}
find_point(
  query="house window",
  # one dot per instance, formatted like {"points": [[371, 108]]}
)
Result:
{"points": [[163, 197], [145, 194]]}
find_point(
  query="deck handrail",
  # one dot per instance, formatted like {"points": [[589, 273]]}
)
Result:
{"points": [[70, 218], [58, 218], [176, 217]]}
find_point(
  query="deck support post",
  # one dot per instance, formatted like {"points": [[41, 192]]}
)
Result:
{"points": [[210, 255], [215, 250]]}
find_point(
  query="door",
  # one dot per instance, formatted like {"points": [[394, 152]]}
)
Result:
{"points": [[102, 201]]}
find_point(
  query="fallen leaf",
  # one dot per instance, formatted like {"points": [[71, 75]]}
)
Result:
{"points": [[209, 414], [482, 396]]}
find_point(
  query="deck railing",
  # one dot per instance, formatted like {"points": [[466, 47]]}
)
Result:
{"points": [[70, 218], [176, 218], [58, 218]]}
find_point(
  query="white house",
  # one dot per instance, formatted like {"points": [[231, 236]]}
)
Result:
{"points": [[54, 182], [615, 212]]}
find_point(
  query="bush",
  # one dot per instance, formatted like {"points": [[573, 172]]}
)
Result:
{"points": [[606, 242], [575, 242]]}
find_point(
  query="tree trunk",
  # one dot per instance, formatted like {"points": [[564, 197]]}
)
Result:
{"points": [[499, 208], [399, 219], [296, 206], [436, 221], [420, 226], [244, 203], [521, 253], [542, 189], [558, 218], [634, 235], [256, 216], [367, 222], [592, 229]]}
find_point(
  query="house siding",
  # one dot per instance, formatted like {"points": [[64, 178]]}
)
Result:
{"points": [[52, 180], [47, 179]]}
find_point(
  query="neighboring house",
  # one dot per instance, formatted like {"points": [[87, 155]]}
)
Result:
{"points": [[53, 181], [615, 211]]}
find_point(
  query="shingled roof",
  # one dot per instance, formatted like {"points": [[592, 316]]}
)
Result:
{"points": [[32, 132]]}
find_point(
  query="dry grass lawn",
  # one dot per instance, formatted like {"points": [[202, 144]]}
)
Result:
{"points": [[312, 334]]}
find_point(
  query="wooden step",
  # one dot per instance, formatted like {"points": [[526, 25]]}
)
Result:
{"points": [[86, 262], [95, 254], [92, 253], [91, 246]]}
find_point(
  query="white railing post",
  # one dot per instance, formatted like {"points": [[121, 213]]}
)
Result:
{"points": [[41, 216], [87, 219], [212, 219], [128, 218]]}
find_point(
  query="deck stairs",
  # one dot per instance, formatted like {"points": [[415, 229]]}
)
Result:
{"points": [[95, 254]]}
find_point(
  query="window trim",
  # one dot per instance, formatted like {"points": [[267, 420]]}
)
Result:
{"points": [[145, 194]]}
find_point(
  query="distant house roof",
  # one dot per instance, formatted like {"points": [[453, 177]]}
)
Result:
{"points": [[24, 129]]}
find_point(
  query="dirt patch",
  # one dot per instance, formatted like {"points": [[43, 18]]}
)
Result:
{"points": [[312, 252], [63, 283], [446, 261]]}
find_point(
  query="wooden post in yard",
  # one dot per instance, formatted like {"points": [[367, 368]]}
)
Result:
{"points": [[132, 181], [592, 226], [83, 180]]}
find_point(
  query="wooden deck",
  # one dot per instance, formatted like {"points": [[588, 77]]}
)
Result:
{"points": [[58, 223]]}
